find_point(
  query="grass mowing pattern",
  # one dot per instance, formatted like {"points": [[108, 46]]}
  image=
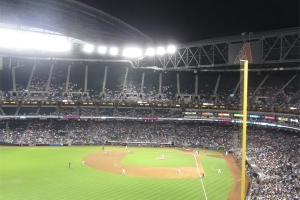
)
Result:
{"points": [[173, 158], [217, 185], [43, 173]]}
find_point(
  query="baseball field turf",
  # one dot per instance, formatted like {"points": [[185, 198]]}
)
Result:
{"points": [[44, 173]]}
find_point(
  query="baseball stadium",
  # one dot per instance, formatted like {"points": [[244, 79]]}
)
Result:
{"points": [[91, 108]]}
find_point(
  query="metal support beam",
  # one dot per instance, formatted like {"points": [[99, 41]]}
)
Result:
{"points": [[196, 84], [68, 78], [178, 84], [238, 84], [160, 83], [125, 80], [49, 78], [254, 93], [86, 77], [284, 86], [30, 78], [290, 48], [217, 84], [104, 80], [13, 74], [142, 83], [277, 48]]}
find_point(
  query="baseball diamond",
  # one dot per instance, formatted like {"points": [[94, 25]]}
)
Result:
{"points": [[101, 173]]}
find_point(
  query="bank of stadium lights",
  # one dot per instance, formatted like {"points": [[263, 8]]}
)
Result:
{"points": [[130, 52], [26, 40], [20, 40]]}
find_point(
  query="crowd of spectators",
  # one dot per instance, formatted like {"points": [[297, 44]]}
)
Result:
{"points": [[275, 153], [273, 93]]}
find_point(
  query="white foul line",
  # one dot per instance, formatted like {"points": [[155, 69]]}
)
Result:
{"points": [[200, 177]]}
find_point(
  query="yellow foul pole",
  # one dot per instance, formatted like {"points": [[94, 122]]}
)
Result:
{"points": [[244, 128]]}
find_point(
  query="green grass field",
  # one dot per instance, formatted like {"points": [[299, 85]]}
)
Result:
{"points": [[43, 173]]}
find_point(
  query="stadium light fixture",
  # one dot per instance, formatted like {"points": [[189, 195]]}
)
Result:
{"points": [[102, 50], [113, 51], [132, 52], [171, 49], [88, 48], [8, 38], [56, 43], [27, 40], [150, 52], [160, 50], [30, 40]]}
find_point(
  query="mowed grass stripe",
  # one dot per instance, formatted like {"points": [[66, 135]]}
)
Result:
{"points": [[217, 185], [156, 159]]}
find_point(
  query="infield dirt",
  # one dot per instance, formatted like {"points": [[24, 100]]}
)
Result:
{"points": [[111, 162]]}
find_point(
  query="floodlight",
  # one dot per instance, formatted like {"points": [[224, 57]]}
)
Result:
{"points": [[171, 49], [132, 52], [102, 49], [8, 38], [88, 48], [160, 50], [26, 40], [30, 40], [113, 51], [56, 43], [150, 52]]}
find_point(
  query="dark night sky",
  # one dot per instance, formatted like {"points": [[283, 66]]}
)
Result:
{"points": [[190, 20]]}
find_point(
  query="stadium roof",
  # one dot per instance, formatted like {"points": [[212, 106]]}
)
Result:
{"points": [[70, 18]]}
